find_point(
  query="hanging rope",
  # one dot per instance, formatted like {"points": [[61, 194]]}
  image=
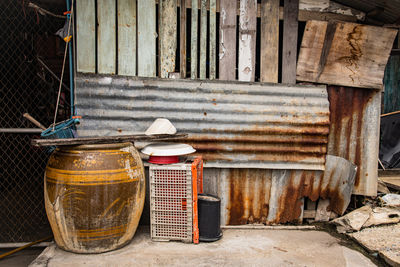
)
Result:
{"points": [[67, 40]]}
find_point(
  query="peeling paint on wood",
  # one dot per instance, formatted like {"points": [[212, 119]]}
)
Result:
{"points": [[183, 39], [213, 39], [247, 39], [127, 37], [227, 40], [193, 41], [146, 38], [86, 36], [203, 39], [168, 34]]}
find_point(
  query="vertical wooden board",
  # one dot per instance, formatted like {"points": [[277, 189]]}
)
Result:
{"points": [[106, 37], [227, 40], [146, 27], [269, 61], [182, 54], [213, 38], [127, 37], [193, 41], [289, 50], [86, 36], [167, 32], [203, 39], [247, 39]]}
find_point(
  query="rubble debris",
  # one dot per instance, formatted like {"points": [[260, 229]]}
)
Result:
{"points": [[392, 200], [366, 217]]}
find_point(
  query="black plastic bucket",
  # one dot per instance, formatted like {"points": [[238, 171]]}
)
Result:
{"points": [[209, 217]]}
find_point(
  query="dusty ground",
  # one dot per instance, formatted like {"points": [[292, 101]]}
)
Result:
{"points": [[384, 240], [236, 248]]}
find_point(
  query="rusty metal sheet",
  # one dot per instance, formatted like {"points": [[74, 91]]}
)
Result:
{"points": [[354, 133], [268, 196], [231, 124]]}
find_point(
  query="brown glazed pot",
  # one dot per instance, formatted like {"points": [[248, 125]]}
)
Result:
{"points": [[94, 196]]}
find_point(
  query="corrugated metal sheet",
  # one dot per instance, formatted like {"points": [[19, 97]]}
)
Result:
{"points": [[388, 10], [238, 125], [276, 196], [354, 133]]}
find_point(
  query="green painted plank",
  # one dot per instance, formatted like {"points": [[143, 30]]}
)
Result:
{"points": [[247, 40], [168, 34], [193, 40], [213, 38], [86, 36], [227, 40], [269, 59], [106, 37], [203, 39], [127, 37], [146, 27]]}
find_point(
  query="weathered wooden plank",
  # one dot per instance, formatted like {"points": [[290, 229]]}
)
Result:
{"points": [[146, 26], [227, 40], [203, 39], [105, 139], [213, 39], [182, 54], [106, 37], [193, 39], [86, 36], [127, 37], [168, 34], [269, 61], [343, 53], [247, 39], [289, 50]]}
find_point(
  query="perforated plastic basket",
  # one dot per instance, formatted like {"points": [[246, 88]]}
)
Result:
{"points": [[172, 202]]}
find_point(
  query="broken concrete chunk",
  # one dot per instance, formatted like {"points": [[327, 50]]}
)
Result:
{"points": [[354, 220], [392, 200], [384, 215]]}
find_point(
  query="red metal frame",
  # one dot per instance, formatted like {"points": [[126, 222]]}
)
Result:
{"points": [[197, 183]]}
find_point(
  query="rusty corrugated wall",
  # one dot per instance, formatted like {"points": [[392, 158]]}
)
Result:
{"points": [[231, 124], [354, 133]]}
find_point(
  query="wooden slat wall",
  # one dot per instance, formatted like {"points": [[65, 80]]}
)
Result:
{"points": [[129, 48]]}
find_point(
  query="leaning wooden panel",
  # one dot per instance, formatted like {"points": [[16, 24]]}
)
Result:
{"points": [[106, 37], [343, 53], [182, 37], [167, 32], [269, 60], [127, 37], [227, 40], [147, 34], [86, 36], [247, 39]]}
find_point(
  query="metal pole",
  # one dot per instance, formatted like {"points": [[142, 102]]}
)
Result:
{"points": [[71, 66]]}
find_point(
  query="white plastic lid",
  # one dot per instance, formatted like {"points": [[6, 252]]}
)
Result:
{"points": [[167, 149]]}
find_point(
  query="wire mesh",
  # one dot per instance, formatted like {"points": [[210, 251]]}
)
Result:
{"points": [[31, 59]]}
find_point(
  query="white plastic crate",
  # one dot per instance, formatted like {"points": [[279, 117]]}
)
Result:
{"points": [[171, 202]]}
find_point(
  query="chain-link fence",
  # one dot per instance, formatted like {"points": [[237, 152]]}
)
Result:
{"points": [[30, 61]]}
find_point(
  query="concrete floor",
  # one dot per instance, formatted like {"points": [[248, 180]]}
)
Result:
{"points": [[20, 259], [236, 248]]}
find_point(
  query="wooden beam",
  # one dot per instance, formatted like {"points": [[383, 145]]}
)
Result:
{"points": [[269, 41], [213, 39], [193, 41], [182, 54], [227, 40], [146, 38], [106, 37], [290, 32], [86, 36], [247, 40], [127, 37], [167, 36], [203, 39]]}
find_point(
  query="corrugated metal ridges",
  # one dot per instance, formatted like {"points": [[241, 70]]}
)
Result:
{"points": [[230, 124]]}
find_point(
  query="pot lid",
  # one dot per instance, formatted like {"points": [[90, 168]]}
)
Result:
{"points": [[167, 149]]}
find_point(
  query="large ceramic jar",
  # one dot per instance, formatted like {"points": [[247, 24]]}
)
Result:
{"points": [[94, 196]]}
